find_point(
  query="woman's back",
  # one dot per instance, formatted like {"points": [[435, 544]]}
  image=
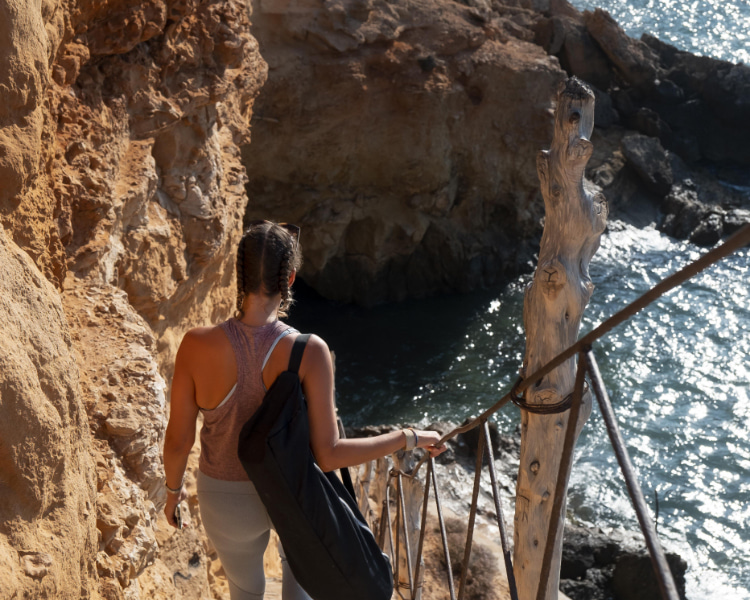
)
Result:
{"points": [[246, 349]]}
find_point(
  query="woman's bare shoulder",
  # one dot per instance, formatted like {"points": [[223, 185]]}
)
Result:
{"points": [[200, 339], [317, 356]]}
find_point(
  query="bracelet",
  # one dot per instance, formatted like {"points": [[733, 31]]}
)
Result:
{"points": [[176, 490], [411, 439]]}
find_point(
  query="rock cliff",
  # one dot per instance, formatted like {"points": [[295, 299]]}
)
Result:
{"points": [[48, 500], [401, 135], [120, 128]]}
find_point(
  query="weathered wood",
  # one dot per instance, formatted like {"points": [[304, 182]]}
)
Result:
{"points": [[372, 479], [413, 491], [554, 302]]}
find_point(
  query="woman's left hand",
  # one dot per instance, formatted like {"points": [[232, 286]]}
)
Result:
{"points": [[169, 510]]}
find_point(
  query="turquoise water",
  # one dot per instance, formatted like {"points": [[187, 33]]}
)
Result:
{"points": [[717, 28], [678, 375]]}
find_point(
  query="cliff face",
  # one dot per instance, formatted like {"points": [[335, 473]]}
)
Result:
{"points": [[120, 124], [48, 538], [401, 135]]}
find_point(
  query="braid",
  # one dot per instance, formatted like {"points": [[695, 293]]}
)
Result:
{"points": [[284, 272], [240, 276], [266, 257]]}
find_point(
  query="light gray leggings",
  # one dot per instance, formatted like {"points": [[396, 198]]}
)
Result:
{"points": [[238, 526]]}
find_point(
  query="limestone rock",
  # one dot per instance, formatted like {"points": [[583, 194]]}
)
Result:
{"points": [[636, 62], [27, 206], [47, 481], [634, 577], [688, 218], [121, 179]]}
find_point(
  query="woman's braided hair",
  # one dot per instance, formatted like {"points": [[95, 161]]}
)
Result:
{"points": [[266, 256]]}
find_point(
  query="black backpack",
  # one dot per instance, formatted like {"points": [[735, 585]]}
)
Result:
{"points": [[329, 547]]}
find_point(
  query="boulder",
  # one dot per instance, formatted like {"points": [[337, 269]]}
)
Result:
{"points": [[586, 549], [599, 566], [727, 92], [709, 230], [634, 578], [687, 217], [582, 590], [567, 38], [605, 114], [683, 211], [636, 62], [650, 161]]}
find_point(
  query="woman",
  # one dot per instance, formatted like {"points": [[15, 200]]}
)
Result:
{"points": [[224, 372]]}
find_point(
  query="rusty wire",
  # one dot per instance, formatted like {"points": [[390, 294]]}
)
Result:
{"points": [[499, 513], [406, 535], [443, 533], [658, 559]]}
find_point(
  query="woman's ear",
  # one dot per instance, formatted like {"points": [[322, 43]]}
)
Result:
{"points": [[292, 277]]}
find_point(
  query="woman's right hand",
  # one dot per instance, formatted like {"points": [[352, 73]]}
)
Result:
{"points": [[430, 441]]}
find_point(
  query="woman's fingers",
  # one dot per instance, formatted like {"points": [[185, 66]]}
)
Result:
{"points": [[430, 440], [171, 506], [169, 513], [437, 450]]}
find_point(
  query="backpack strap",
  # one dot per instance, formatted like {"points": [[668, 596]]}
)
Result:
{"points": [[298, 349]]}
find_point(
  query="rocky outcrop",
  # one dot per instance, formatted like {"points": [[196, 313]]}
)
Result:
{"points": [[401, 136], [125, 401], [657, 106], [697, 106], [599, 566], [120, 127], [48, 512]]}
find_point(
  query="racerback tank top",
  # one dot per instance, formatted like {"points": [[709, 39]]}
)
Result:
{"points": [[221, 425]]}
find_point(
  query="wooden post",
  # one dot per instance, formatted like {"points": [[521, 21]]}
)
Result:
{"points": [[553, 305], [413, 491]]}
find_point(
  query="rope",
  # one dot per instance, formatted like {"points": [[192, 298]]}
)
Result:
{"points": [[542, 409]]}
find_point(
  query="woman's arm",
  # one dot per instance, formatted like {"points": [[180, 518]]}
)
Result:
{"points": [[331, 452], [180, 435]]}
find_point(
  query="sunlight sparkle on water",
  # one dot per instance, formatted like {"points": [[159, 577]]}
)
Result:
{"points": [[715, 28]]}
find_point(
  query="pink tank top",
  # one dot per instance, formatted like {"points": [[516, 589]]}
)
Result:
{"points": [[220, 433]]}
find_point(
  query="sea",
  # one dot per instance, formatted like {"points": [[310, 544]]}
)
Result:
{"points": [[678, 373]]}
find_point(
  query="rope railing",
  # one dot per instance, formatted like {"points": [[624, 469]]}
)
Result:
{"points": [[587, 366]]}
